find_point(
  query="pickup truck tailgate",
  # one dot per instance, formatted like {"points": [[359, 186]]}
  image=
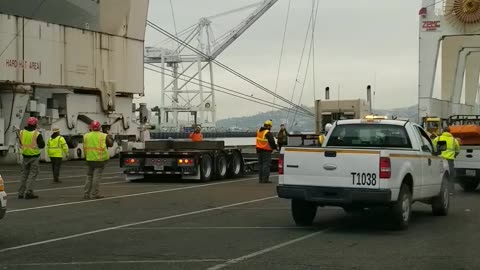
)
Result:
{"points": [[332, 167]]}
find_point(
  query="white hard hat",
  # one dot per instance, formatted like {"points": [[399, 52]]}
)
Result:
{"points": [[328, 127]]}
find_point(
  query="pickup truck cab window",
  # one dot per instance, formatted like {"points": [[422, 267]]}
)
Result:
{"points": [[370, 135], [426, 142]]}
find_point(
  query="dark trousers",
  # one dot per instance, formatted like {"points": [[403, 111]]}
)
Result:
{"points": [[280, 145], [264, 163], [451, 168], [56, 165]]}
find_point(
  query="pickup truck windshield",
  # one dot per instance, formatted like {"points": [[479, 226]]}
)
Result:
{"points": [[369, 135]]}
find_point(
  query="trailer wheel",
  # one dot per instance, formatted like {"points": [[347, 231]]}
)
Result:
{"points": [[221, 166], [206, 168], [236, 165]]}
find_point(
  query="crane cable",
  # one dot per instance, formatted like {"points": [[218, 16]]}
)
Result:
{"points": [[228, 91], [236, 73], [282, 48], [301, 60], [311, 50]]}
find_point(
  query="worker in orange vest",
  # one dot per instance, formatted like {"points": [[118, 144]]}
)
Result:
{"points": [[196, 135], [265, 145]]}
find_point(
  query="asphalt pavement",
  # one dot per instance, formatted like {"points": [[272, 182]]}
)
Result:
{"points": [[231, 224]]}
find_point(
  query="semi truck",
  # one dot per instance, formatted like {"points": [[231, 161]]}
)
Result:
{"points": [[202, 161]]}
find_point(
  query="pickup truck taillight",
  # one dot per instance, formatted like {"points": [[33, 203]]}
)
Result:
{"points": [[385, 167], [280, 164]]}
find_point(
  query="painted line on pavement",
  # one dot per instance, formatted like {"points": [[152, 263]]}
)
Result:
{"points": [[129, 195], [215, 228], [67, 177], [134, 224], [72, 187], [264, 251], [116, 262]]}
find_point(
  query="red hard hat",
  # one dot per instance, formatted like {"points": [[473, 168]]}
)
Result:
{"points": [[95, 125], [32, 121]]}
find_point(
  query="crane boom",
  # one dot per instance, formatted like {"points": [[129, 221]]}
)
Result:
{"points": [[242, 27]]}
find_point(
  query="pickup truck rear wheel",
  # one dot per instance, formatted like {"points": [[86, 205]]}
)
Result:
{"points": [[469, 184], [441, 203], [303, 212], [402, 208]]}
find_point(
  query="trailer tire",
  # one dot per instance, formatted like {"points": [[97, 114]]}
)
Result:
{"points": [[236, 165], [221, 166], [206, 169]]}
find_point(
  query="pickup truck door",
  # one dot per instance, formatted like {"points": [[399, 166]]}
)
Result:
{"points": [[331, 167], [433, 172]]}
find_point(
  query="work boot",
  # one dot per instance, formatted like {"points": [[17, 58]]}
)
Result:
{"points": [[21, 196], [86, 197], [30, 196]]}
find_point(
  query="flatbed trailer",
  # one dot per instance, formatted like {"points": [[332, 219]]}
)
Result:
{"points": [[203, 161]]}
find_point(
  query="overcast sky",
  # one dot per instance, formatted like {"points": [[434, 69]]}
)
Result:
{"points": [[356, 41]]}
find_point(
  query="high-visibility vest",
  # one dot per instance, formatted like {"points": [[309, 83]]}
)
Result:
{"points": [[28, 141], [321, 138], [262, 141], [56, 147], [196, 137], [95, 146]]}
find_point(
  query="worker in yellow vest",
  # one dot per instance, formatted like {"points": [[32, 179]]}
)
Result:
{"points": [[265, 144], [321, 138], [57, 148], [95, 145], [31, 143], [451, 152]]}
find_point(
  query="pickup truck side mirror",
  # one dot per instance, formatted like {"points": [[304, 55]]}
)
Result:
{"points": [[441, 146]]}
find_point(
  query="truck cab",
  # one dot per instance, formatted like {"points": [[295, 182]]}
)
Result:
{"points": [[365, 163]]}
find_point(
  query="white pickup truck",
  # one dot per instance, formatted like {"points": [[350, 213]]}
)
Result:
{"points": [[365, 163]]}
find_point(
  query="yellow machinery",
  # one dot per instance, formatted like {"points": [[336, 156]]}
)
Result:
{"points": [[433, 125]]}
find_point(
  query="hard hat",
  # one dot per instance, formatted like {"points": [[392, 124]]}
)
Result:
{"points": [[55, 130], [268, 123], [32, 121], [328, 127], [95, 125]]}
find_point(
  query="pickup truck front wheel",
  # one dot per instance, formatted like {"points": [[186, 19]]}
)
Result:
{"points": [[303, 212], [441, 203], [402, 208]]}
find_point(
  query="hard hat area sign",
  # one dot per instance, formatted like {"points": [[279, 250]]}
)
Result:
{"points": [[430, 25], [23, 64]]}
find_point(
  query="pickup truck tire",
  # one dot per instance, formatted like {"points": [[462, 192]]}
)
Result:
{"points": [[441, 203], [303, 212], [221, 167], [469, 184], [401, 210], [206, 168]]}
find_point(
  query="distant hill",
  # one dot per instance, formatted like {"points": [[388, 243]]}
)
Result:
{"points": [[301, 123]]}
